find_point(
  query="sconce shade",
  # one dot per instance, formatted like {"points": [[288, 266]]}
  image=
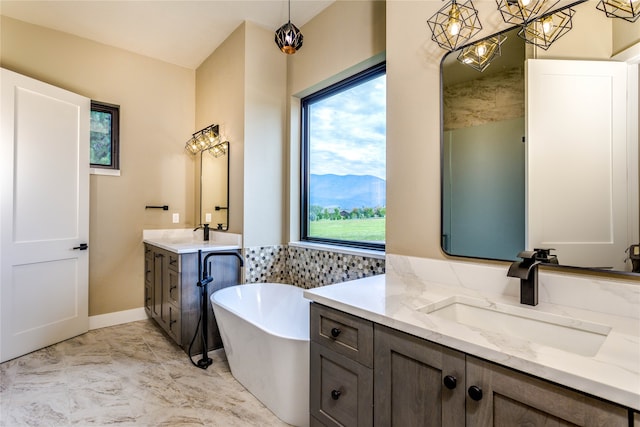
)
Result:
{"points": [[288, 38], [454, 24], [629, 10], [219, 149], [203, 139], [545, 30], [480, 54], [519, 12]]}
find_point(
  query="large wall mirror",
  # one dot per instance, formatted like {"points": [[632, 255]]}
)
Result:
{"points": [[499, 197], [214, 187]]}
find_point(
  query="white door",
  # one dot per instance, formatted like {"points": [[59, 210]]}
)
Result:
{"points": [[44, 214], [577, 161]]}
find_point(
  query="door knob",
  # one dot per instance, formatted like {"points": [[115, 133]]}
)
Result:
{"points": [[82, 247]]}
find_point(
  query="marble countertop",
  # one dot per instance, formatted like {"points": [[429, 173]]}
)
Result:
{"points": [[400, 300], [183, 241]]}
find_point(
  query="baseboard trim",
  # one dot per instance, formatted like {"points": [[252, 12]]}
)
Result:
{"points": [[117, 318]]}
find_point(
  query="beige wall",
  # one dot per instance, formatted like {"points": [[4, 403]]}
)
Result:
{"points": [[220, 99], [264, 173], [241, 86], [625, 35], [157, 102]]}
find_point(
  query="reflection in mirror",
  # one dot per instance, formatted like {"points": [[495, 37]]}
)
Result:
{"points": [[483, 154], [499, 198], [214, 187]]}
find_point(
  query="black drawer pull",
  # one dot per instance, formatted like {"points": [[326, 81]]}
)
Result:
{"points": [[475, 393], [335, 394], [450, 382], [172, 261], [171, 322], [335, 332]]}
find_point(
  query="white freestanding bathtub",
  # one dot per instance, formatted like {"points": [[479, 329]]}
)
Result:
{"points": [[265, 333]]}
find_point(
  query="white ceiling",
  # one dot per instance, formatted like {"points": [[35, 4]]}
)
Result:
{"points": [[182, 32]]}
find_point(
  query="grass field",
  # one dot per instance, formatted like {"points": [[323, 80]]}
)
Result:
{"points": [[368, 230]]}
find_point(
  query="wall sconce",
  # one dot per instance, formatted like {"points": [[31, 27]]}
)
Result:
{"points": [[219, 149], [203, 139], [288, 37], [480, 54], [519, 12], [545, 30], [454, 24], [629, 10]]}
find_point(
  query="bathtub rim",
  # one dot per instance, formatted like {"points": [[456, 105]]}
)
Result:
{"points": [[236, 313]]}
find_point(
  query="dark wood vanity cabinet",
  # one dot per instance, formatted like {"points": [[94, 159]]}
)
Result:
{"points": [[511, 398], [172, 297], [415, 382]]}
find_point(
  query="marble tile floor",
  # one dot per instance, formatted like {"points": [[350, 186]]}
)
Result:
{"points": [[125, 375]]}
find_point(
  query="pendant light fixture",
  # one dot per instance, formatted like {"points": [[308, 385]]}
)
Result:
{"points": [[518, 12], [629, 10], [545, 30], [288, 37], [480, 54], [454, 24]]}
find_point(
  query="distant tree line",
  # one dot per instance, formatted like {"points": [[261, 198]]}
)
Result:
{"points": [[317, 213]]}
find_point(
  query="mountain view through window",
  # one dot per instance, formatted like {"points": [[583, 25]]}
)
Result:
{"points": [[346, 161]]}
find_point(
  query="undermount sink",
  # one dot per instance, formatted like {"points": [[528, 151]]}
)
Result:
{"points": [[560, 332]]}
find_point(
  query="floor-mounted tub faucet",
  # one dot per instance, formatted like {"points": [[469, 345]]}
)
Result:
{"points": [[527, 271]]}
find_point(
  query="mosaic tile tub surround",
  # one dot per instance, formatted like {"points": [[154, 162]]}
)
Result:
{"points": [[306, 268]]}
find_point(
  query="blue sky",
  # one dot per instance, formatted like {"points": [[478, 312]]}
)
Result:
{"points": [[348, 131]]}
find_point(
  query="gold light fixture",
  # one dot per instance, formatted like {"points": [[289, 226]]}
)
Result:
{"points": [[288, 37], [480, 54], [219, 149], [629, 10], [203, 139], [454, 24], [518, 12], [545, 30]]}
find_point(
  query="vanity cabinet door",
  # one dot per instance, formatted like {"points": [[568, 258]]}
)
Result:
{"points": [[503, 397], [636, 419], [148, 280], [341, 392], [417, 383], [159, 267]]}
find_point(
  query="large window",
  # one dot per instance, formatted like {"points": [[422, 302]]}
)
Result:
{"points": [[344, 162]]}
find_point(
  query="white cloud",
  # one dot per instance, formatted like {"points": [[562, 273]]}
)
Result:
{"points": [[348, 131]]}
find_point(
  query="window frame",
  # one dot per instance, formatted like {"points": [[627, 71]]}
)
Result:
{"points": [[343, 85], [114, 110]]}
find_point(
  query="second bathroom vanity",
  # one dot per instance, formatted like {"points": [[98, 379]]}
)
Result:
{"points": [[446, 343], [171, 292]]}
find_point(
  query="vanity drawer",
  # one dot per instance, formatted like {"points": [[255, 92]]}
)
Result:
{"points": [[342, 333], [341, 391]]}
